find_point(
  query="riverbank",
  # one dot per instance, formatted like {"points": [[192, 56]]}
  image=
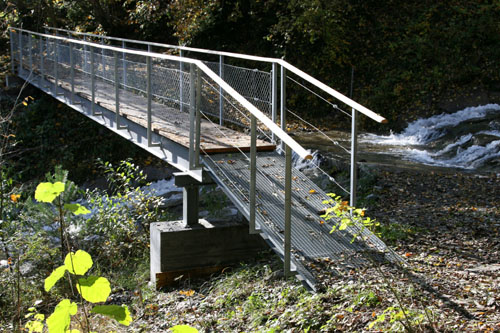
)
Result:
{"points": [[444, 223]]}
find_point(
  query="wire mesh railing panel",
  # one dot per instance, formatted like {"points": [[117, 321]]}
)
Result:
{"points": [[166, 82]]}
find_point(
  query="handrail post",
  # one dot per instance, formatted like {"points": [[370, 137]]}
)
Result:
{"points": [[30, 47], [117, 92], [92, 81], [124, 65], [20, 52], [288, 211], [221, 91], [85, 60], [198, 120], [181, 81], [192, 111], [42, 70], [283, 104], [103, 61], [150, 98], [72, 73], [274, 95], [253, 172], [354, 152], [11, 36], [56, 59]]}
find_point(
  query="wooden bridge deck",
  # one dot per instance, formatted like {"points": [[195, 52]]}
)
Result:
{"points": [[166, 121]]}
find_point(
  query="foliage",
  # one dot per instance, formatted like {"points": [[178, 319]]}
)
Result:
{"points": [[347, 216], [92, 289]]}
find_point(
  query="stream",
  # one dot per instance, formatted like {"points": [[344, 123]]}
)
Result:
{"points": [[468, 139]]}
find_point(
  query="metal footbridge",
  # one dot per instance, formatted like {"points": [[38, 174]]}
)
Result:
{"points": [[212, 121]]}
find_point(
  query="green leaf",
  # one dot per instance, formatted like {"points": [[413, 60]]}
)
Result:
{"points": [[183, 329], [60, 319], [78, 263], [94, 289], [55, 276], [73, 331], [120, 313], [34, 326], [76, 209], [47, 192]]}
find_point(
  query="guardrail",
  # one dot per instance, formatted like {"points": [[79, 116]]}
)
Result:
{"points": [[275, 63], [37, 48]]}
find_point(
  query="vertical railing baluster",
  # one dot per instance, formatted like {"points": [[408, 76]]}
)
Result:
{"points": [[274, 95], [283, 104], [11, 36], [253, 172], [198, 120], [221, 91], [85, 59], [30, 47], [117, 92], [56, 76], [149, 70], [20, 52], [72, 72], [288, 210], [103, 60], [124, 65], [42, 69], [92, 80], [192, 101], [181, 81], [354, 162]]}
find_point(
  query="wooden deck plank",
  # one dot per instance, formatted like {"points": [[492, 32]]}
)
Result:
{"points": [[166, 121]]}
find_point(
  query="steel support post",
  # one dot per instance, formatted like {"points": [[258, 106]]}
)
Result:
{"points": [[221, 91], [253, 173], [288, 211], [181, 81], [149, 48], [274, 95], [283, 104], [124, 65], [354, 162], [192, 111], [190, 202]]}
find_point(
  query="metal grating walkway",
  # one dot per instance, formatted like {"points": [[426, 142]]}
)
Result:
{"points": [[311, 239]]}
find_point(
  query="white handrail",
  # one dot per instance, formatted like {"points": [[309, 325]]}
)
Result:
{"points": [[367, 112], [303, 153]]}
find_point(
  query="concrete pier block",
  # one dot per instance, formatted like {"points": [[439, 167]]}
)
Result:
{"points": [[195, 250]]}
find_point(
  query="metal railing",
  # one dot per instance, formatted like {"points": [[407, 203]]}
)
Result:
{"points": [[261, 99], [83, 68]]}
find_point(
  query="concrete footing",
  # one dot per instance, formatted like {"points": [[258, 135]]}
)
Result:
{"points": [[205, 248]]}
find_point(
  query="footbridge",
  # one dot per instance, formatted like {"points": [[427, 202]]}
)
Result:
{"points": [[210, 120]]}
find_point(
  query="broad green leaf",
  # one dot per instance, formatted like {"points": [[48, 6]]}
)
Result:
{"points": [[55, 276], [183, 329], [47, 192], [34, 326], [120, 313], [60, 319], [73, 331], [78, 263], [76, 209], [94, 289]]}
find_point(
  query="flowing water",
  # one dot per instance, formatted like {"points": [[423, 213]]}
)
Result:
{"points": [[468, 139]]}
